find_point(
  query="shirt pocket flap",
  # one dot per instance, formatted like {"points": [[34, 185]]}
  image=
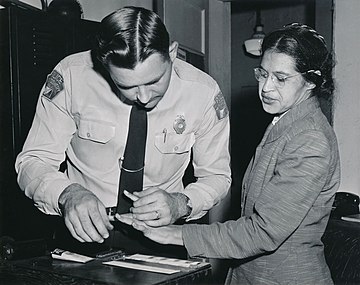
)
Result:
{"points": [[100, 132], [174, 143]]}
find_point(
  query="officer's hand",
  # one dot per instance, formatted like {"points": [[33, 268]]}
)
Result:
{"points": [[84, 214], [165, 235], [157, 208]]}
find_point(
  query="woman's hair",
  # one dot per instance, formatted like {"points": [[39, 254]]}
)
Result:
{"points": [[129, 36], [310, 53]]}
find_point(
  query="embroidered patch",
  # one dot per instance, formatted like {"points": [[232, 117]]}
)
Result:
{"points": [[179, 124], [220, 106], [54, 84]]}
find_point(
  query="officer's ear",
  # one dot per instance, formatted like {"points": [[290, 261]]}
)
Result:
{"points": [[173, 48]]}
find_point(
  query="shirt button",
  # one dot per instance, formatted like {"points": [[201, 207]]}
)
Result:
{"points": [[88, 135], [176, 148]]}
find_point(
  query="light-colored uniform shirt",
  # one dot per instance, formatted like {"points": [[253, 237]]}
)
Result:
{"points": [[78, 114]]}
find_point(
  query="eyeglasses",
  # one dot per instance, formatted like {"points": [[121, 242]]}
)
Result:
{"points": [[278, 80]]}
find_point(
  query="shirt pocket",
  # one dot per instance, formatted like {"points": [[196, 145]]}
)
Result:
{"points": [[96, 131], [174, 143]]}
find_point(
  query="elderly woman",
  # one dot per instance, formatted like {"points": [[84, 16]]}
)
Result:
{"points": [[290, 183]]}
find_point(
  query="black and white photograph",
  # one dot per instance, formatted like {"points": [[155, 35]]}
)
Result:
{"points": [[197, 142]]}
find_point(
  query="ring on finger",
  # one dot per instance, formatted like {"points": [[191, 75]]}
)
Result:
{"points": [[157, 213]]}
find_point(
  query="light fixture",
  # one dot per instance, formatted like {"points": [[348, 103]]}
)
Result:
{"points": [[67, 8], [253, 45]]}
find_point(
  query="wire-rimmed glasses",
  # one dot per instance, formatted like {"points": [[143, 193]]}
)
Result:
{"points": [[279, 80]]}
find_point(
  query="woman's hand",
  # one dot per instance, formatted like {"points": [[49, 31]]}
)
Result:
{"points": [[165, 235]]}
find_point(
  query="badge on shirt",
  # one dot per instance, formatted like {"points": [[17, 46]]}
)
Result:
{"points": [[179, 124], [54, 84], [220, 106]]}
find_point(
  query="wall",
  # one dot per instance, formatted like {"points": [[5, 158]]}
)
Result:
{"points": [[95, 10], [347, 105]]}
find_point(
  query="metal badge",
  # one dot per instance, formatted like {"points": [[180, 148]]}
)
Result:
{"points": [[179, 124], [54, 84]]}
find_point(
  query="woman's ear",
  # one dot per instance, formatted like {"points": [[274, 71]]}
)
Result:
{"points": [[173, 48]]}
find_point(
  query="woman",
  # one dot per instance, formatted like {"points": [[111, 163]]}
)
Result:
{"points": [[290, 183]]}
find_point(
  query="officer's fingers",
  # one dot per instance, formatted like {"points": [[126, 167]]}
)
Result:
{"points": [[72, 231], [157, 223], [105, 218], [75, 227], [146, 216], [89, 230], [152, 211], [145, 208], [144, 200], [160, 197], [163, 217], [91, 220], [152, 198], [71, 217], [147, 191], [131, 196], [95, 227]]}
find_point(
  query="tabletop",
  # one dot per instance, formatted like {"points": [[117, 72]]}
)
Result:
{"points": [[46, 270]]}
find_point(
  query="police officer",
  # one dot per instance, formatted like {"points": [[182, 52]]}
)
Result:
{"points": [[82, 116]]}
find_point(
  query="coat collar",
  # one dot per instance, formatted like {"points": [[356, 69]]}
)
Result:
{"points": [[297, 112]]}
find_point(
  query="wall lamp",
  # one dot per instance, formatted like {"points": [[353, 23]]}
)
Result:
{"points": [[253, 45]]}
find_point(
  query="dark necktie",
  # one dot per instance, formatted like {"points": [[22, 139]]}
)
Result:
{"points": [[132, 166]]}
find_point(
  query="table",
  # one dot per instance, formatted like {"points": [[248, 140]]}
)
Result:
{"points": [[45, 270]]}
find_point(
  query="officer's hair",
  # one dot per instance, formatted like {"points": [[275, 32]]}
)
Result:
{"points": [[129, 36], [309, 52]]}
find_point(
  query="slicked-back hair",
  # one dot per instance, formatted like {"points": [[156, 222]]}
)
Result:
{"points": [[129, 36], [309, 52]]}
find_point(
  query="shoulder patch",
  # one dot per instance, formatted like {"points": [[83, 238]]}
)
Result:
{"points": [[220, 106], [54, 84]]}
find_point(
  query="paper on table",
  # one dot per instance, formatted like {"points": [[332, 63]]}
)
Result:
{"points": [[141, 267], [69, 256], [163, 260], [352, 218]]}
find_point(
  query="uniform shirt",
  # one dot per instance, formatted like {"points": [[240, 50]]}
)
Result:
{"points": [[79, 114]]}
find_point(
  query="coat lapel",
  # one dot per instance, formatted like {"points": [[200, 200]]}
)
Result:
{"points": [[274, 132]]}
